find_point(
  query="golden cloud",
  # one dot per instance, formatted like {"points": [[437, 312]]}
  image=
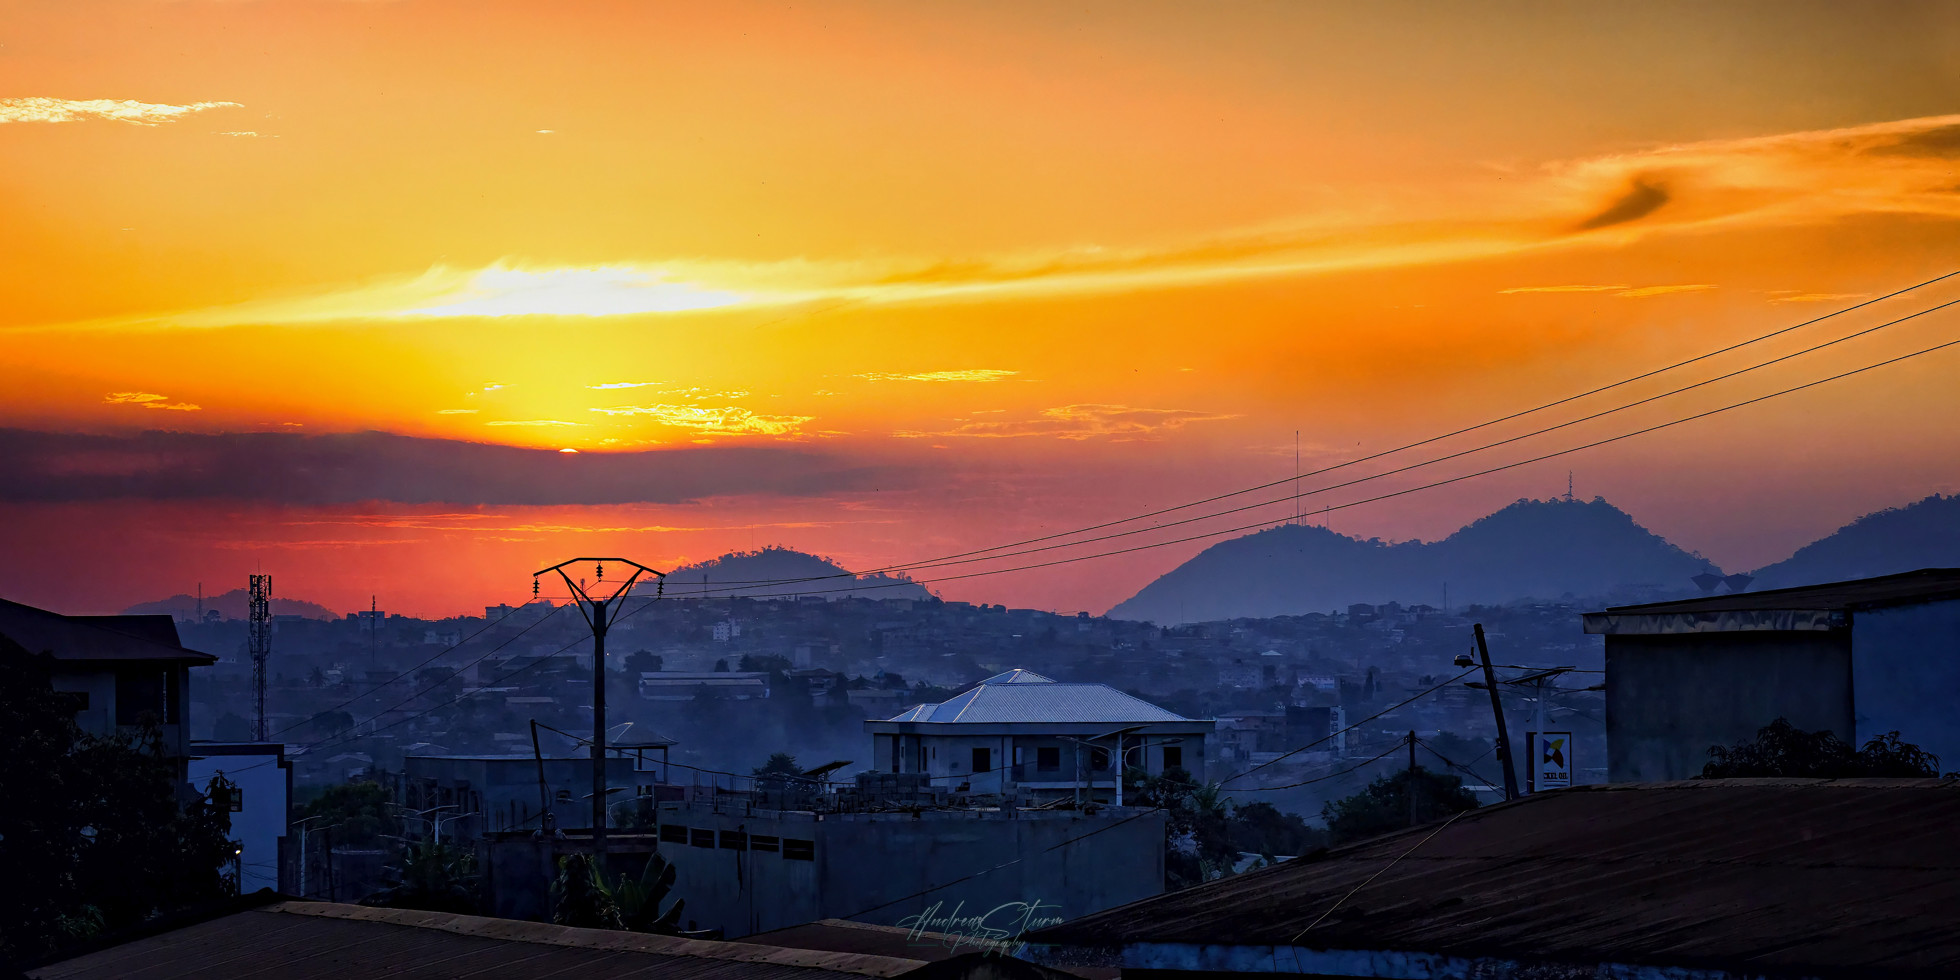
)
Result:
{"points": [[46, 110], [1076, 422], [724, 420], [969, 374], [146, 399]]}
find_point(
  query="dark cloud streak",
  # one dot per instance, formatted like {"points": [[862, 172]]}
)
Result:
{"points": [[1642, 199], [294, 468]]}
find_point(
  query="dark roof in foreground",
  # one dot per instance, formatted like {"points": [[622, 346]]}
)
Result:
{"points": [[1815, 604], [845, 936], [300, 940], [95, 637], [1736, 877]]}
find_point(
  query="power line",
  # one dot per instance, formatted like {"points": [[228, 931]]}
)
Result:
{"points": [[947, 559], [1403, 492], [1298, 495]]}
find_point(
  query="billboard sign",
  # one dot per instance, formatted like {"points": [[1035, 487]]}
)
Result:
{"points": [[1551, 762]]}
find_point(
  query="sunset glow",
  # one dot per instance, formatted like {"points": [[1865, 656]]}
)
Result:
{"points": [[893, 281]]}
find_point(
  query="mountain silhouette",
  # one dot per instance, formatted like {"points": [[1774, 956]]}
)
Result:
{"points": [[1530, 549], [230, 605], [1922, 534], [791, 572]]}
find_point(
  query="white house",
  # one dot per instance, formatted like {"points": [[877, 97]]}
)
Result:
{"points": [[1021, 734]]}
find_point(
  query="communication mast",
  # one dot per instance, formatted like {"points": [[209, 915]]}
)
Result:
{"points": [[258, 643]]}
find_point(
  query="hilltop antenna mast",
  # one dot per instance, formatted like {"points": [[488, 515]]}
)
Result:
{"points": [[258, 643], [1568, 486], [600, 614]]}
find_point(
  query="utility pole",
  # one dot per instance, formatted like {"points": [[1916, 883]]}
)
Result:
{"points": [[546, 825], [599, 614], [1412, 779], [258, 643], [1497, 710]]}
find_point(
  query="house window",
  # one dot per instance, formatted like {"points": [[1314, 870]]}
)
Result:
{"points": [[799, 850], [671, 833], [763, 842], [564, 796], [702, 837], [734, 840], [1048, 759], [1098, 758], [983, 759], [1173, 757]]}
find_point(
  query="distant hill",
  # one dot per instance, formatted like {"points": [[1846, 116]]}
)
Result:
{"points": [[230, 605], [1922, 534], [1530, 549], [797, 572]]}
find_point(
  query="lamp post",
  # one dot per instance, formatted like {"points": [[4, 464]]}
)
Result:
{"points": [[600, 614]]}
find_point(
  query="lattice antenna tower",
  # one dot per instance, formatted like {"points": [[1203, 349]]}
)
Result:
{"points": [[258, 643]]}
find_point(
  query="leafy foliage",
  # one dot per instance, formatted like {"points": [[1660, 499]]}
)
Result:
{"points": [[1199, 843], [1384, 805], [585, 900], [358, 812], [430, 876], [1782, 749], [102, 833], [779, 764]]}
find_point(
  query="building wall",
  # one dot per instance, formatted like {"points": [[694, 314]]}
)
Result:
{"points": [[861, 862], [1905, 671], [260, 824], [1669, 697]]}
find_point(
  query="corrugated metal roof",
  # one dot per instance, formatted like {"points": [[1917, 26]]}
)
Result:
{"points": [[1770, 876], [1019, 675], [1924, 584], [302, 940], [95, 637], [1023, 701]]}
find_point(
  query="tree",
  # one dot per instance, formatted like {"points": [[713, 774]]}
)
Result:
{"points": [[1198, 840], [103, 834], [583, 899], [639, 899], [429, 876], [643, 662], [231, 728], [1263, 829], [721, 666], [332, 724], [1781, 749], [779, 764], [359, 810], [1384, 805]]}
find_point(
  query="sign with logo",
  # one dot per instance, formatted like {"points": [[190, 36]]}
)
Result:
{"points": [[1551, 763]]}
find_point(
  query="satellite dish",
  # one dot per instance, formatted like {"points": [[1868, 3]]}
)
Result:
{"points": [[1708, 582], [1739, 581]]}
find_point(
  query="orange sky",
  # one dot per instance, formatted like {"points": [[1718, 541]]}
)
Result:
{"points": [[893, 281]]}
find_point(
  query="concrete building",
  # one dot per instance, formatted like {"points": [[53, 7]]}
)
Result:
{"points": [[495, 793], [686, 685], [128, 669], [1021, 735], [745, 872], [261, 807], [1858, 658]]}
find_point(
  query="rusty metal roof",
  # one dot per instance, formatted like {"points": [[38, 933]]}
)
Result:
{"points": [[301, 940], [1758, 877]]}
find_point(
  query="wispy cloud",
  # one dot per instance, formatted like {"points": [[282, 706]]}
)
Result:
{"points": [[45, 110], [247, 132], [969, 374], [723, 420], [1795, 297], [456, 411], [1622, 290], [1077, 422], [144, 399], [1895, 168], [610, 385]]}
